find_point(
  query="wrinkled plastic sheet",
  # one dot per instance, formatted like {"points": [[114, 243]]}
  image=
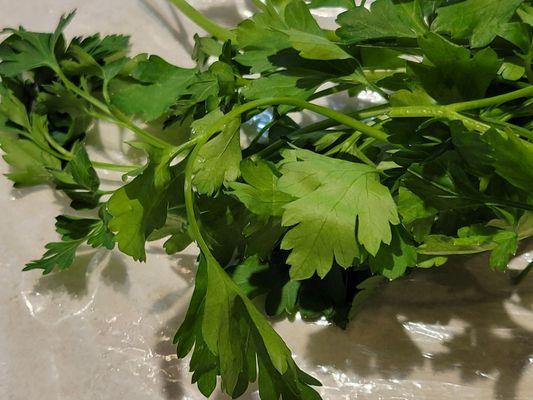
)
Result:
{"points": [[104, 328]]}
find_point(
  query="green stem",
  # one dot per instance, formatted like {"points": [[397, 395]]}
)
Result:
{"points": [[75, 89], [56, 146], [44, 148], [491, 101], [321, 125], [203, 22], [194, 228], [451, 111], [199, 141], [119, 120], [114, 167], [67, 155], [332, 90], [341, 118]]}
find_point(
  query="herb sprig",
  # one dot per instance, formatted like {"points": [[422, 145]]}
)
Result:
{"points": [[313, 218]]}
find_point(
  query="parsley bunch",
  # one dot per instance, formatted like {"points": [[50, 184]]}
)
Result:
{"points": [[308, 218]]}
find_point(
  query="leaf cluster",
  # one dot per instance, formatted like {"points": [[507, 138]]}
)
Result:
{"points": [[304, 218]]}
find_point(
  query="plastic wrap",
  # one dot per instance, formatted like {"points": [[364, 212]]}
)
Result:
{"points": [[103, 329]]}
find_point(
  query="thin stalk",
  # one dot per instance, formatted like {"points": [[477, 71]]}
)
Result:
{"points": [[452, 110], [341, 118], [114, 167], [322, 125], [518, 129], [123, 121], [203, 22], [332, 90], [328, 123], [56, 146], [48, 150], [194, 228], [68, 155], [491, 101]]}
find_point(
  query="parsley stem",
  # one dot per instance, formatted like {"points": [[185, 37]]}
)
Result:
{"points": [[56, 146], [451, 111], [68, 155], [189, 201], [114, 167], [44, 148], [318, 126], [491, 101], [119, 120], [203, 22], [327, 112]]}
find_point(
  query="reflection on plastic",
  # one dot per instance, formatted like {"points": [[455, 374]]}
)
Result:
{"points": [[459, 331]]}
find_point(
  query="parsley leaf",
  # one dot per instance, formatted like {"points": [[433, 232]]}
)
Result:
{"points": [[218, 161], [24, 51], [156, 88], [233, 340], [140, 207], [332, 196], [386, 19], [260, 193], [476, 20], [74, 232]]}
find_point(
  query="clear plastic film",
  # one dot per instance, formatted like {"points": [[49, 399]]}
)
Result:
{"points": [[104, 329]]}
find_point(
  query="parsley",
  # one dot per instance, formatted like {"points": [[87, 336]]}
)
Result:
{"points": [[309, 217]]}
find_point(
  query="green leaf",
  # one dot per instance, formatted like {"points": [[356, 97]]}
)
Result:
{"points": [[218, 161], [472, 240], [386, 19], [13, 109], [260, 193], [283, 299], [518, 34], [230, 336], [506, 246], [511, 157], [82, 170], [280, 85], [24, 51], [79, 180], [525, 12], [306, 36], [140, 207], [30, 164], [243, 275], [504, 152], [59, 255], [159, 85], [74, 232], [512, 71], [366, 290], [412, 208], [334, 197], [331, 3], [315, 47], [416, 216], [392, 260], [101, 48], [479, 21], [450, 73], [175, 230]]}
